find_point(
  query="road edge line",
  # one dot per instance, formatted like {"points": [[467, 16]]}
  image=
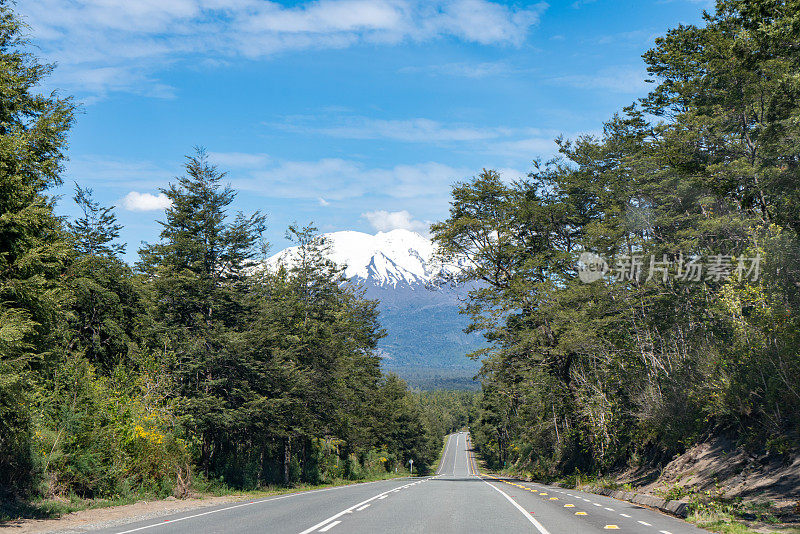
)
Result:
{"points": [[530, 518], [251, 503], [444, 455]]}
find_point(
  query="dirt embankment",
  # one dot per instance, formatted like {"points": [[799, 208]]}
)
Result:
{"points": [[725, 471]]}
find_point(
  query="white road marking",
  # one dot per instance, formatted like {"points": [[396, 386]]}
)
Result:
{"points": [[665, 532], [260, 501], [530, 518], [330, 526], [362, 507], [347, 511], [645, 523], [610, 509], [594, 503], [624, 515], [444, 456]]}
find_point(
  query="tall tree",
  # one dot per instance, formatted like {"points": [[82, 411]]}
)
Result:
{"points": [[197, 273], [33, 246], [582, 376], [97, 230], [108, 314]]}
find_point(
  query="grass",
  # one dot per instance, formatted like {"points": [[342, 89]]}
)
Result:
{"points": [[726, 523], [55, 508]]}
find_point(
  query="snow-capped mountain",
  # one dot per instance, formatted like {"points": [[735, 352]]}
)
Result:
{"points": [[425, 341], [388, 259]]}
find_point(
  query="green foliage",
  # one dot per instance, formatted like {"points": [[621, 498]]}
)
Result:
{"points": [[117, 382], [33, 246], [107, 316], [589, 377]]}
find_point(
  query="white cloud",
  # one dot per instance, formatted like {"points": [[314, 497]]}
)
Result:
{"points": [[238, 159], [135, 201], [323, 202], [511, 175], [338, 179], [617, 79], [464, 69], [385, 221], [116, 45], [527, 147], [418, 130], [117, 173]]}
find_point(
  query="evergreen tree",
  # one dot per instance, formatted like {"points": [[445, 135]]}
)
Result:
{"points": [[108, 314], [585, 376], [197, 275], [96, 231], [33, 246]]}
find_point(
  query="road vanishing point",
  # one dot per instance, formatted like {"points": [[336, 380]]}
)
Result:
{"points": [[457, 499]]}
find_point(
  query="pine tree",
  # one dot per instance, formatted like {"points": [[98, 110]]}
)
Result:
{"points": [[197, 273], [96, 231], [33, 247], [108, 314]]}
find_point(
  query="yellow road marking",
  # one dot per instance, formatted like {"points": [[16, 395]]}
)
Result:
{"points": [[569, 506], [542, 494], [553, 498], [580, 513], [611, 527]]}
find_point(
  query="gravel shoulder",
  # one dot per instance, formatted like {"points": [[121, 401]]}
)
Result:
{"points": [[97, 518]]}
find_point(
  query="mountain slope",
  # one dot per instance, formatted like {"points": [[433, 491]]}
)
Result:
{"points": [[388, 259], [425, 342]]}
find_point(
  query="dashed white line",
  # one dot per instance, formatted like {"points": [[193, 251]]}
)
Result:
{"points": [[665, 532], [594, 503], [251, 503], [625, 515], [645, 523], [610, 509], [329, 526], [362, 507], [347, 511]]}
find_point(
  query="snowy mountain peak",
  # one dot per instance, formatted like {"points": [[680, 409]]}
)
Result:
{"points": [[395, 258]]}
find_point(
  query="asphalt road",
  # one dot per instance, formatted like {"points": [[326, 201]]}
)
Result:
{"points": [[455, 500]]}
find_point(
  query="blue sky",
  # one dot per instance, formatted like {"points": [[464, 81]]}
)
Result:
{"points": [[352, 114]]}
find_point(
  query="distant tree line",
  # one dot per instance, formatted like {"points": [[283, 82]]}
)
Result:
{"points": [[117, 380], [703, 171]]}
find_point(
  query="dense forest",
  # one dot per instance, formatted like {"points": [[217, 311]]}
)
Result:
{"points": [[688, 208], [195, 362]]}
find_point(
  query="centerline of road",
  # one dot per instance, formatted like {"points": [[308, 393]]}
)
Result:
{"points": [[332, 521], [241, 505]]}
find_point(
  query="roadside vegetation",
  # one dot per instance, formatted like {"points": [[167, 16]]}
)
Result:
{"points": [[638, 366], [192, 371]]}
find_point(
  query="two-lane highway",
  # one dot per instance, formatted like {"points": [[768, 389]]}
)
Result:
{"points": [[456, 499]]}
